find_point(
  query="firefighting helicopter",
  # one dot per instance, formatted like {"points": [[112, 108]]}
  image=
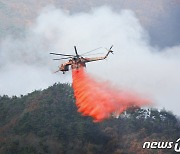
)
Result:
{"points": [[77, 61]]}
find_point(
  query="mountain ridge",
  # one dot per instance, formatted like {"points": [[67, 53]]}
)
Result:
{"points": [[47, 121]]}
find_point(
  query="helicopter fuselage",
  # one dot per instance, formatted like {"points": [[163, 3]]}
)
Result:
{"points": [[75, 64]]}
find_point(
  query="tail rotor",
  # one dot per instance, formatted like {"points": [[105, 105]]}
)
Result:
{"points": [[109, 50]]}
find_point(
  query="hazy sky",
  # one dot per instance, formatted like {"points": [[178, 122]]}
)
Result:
{"points": [[25, 64]]}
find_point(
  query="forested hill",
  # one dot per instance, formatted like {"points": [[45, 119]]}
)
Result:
{"points": [[48, 122]]}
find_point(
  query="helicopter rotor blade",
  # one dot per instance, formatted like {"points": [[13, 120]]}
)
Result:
{"points": [[90, 51], [75, 50], [60, 54], [111, 47], [94, 54], [62, 58]]}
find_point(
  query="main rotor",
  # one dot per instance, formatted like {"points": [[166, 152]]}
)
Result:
{"points": [[76, 55], [66, 56]]}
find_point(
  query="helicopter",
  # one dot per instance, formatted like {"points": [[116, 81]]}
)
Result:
{"points": [[77, 61]]}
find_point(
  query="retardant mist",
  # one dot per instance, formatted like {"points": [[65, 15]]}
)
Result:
{"points": [[100, 100]]}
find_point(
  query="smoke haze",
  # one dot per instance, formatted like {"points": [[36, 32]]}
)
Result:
{"points": [[25, 64]]}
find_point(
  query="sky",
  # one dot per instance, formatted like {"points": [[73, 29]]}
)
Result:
{"points": [[25, 63]]}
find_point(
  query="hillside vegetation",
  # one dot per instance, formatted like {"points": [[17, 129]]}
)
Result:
{"points": [[48, 122]]}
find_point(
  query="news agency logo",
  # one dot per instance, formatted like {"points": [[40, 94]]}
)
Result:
{"points": [[163, 145]]}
